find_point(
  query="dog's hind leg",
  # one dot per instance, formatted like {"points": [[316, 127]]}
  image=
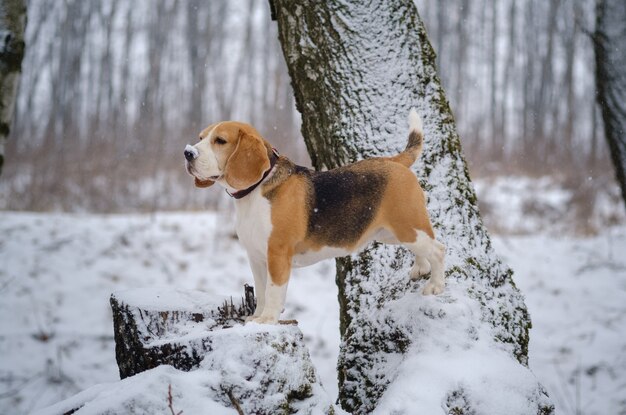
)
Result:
{"points": [[421, 267], [436, 283], [429, 257]]}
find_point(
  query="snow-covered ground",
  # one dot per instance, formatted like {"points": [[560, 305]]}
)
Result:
{"points": [[576, 293], [58, 270]]}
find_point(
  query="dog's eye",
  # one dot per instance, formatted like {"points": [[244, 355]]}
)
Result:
{"points": [[220, 140]]}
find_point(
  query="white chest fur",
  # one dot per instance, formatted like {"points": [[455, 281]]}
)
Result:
{"points": [[254, 223]]}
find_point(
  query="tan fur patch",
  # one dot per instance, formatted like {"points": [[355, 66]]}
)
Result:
{"points": [[403, 210], [203, 134], [289, 225], [247, 163]]}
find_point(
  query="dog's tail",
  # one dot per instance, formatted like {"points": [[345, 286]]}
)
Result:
{"points": [[416, 139]]}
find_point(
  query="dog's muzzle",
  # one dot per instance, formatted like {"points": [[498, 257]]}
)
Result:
{"points": [[191, 153]]}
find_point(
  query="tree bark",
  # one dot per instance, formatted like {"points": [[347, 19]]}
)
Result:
{"points": [[253, 368], [12, 26], [356, 70], [610, 49], [146, 332]]}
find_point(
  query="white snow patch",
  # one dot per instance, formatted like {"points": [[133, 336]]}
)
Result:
{"points": [[189, 391], [169, 298], [59, 271], [523, 205]]}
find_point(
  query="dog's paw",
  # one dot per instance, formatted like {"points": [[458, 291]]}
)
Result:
{"points": [[264, 320], [249, 318], [432, 288], [420, 268]]}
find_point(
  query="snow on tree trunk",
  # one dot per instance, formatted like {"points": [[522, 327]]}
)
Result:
{"points": [[610, 47], [189, 346], [12, 25], [357, 68]]}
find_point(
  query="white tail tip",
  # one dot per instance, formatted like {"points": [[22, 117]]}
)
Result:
{"points": [[415, 122]]}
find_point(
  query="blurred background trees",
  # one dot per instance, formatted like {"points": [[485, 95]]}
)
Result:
{"points": [[112, 91], [519, 74]]}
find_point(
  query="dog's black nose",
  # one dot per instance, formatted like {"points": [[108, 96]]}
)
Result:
{"points": [[190, 153]]}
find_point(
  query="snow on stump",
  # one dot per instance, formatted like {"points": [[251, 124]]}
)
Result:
{"points": [[181, 350], [155, 327]]}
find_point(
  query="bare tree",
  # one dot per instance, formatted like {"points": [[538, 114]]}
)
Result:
{"points": [[609, 41], [12, 25]]}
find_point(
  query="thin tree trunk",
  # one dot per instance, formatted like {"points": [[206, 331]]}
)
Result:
{"points": [[461, 76], [12, 25], [610, 48], [356, 70], [570, 53], [496, 139], [199, 43], [528, 141], [509, 71]]}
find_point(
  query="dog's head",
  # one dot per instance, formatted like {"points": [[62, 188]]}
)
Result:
{"points": [[230, 153]]}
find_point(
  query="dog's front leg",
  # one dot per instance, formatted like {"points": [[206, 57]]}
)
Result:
{"points": [[259, 271], [279, 268]]}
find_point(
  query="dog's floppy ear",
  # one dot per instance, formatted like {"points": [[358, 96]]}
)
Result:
{"points": [[248, 162], [203, 183]]}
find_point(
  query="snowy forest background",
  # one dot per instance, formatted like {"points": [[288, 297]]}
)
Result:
{"points": [[112, 90]]}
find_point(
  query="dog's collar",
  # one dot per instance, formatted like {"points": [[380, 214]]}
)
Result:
{"points": [[245, 192]]}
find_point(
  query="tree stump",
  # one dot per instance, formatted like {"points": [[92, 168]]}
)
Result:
{"points": [[155, 327], [262, 369], [181, 350]]}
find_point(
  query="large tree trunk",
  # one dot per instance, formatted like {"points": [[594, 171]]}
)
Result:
{"points": [[610, 47], [356, 69], [12, 24]]}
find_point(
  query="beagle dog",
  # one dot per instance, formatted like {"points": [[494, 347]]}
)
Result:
{"points": [[291, 216]]}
